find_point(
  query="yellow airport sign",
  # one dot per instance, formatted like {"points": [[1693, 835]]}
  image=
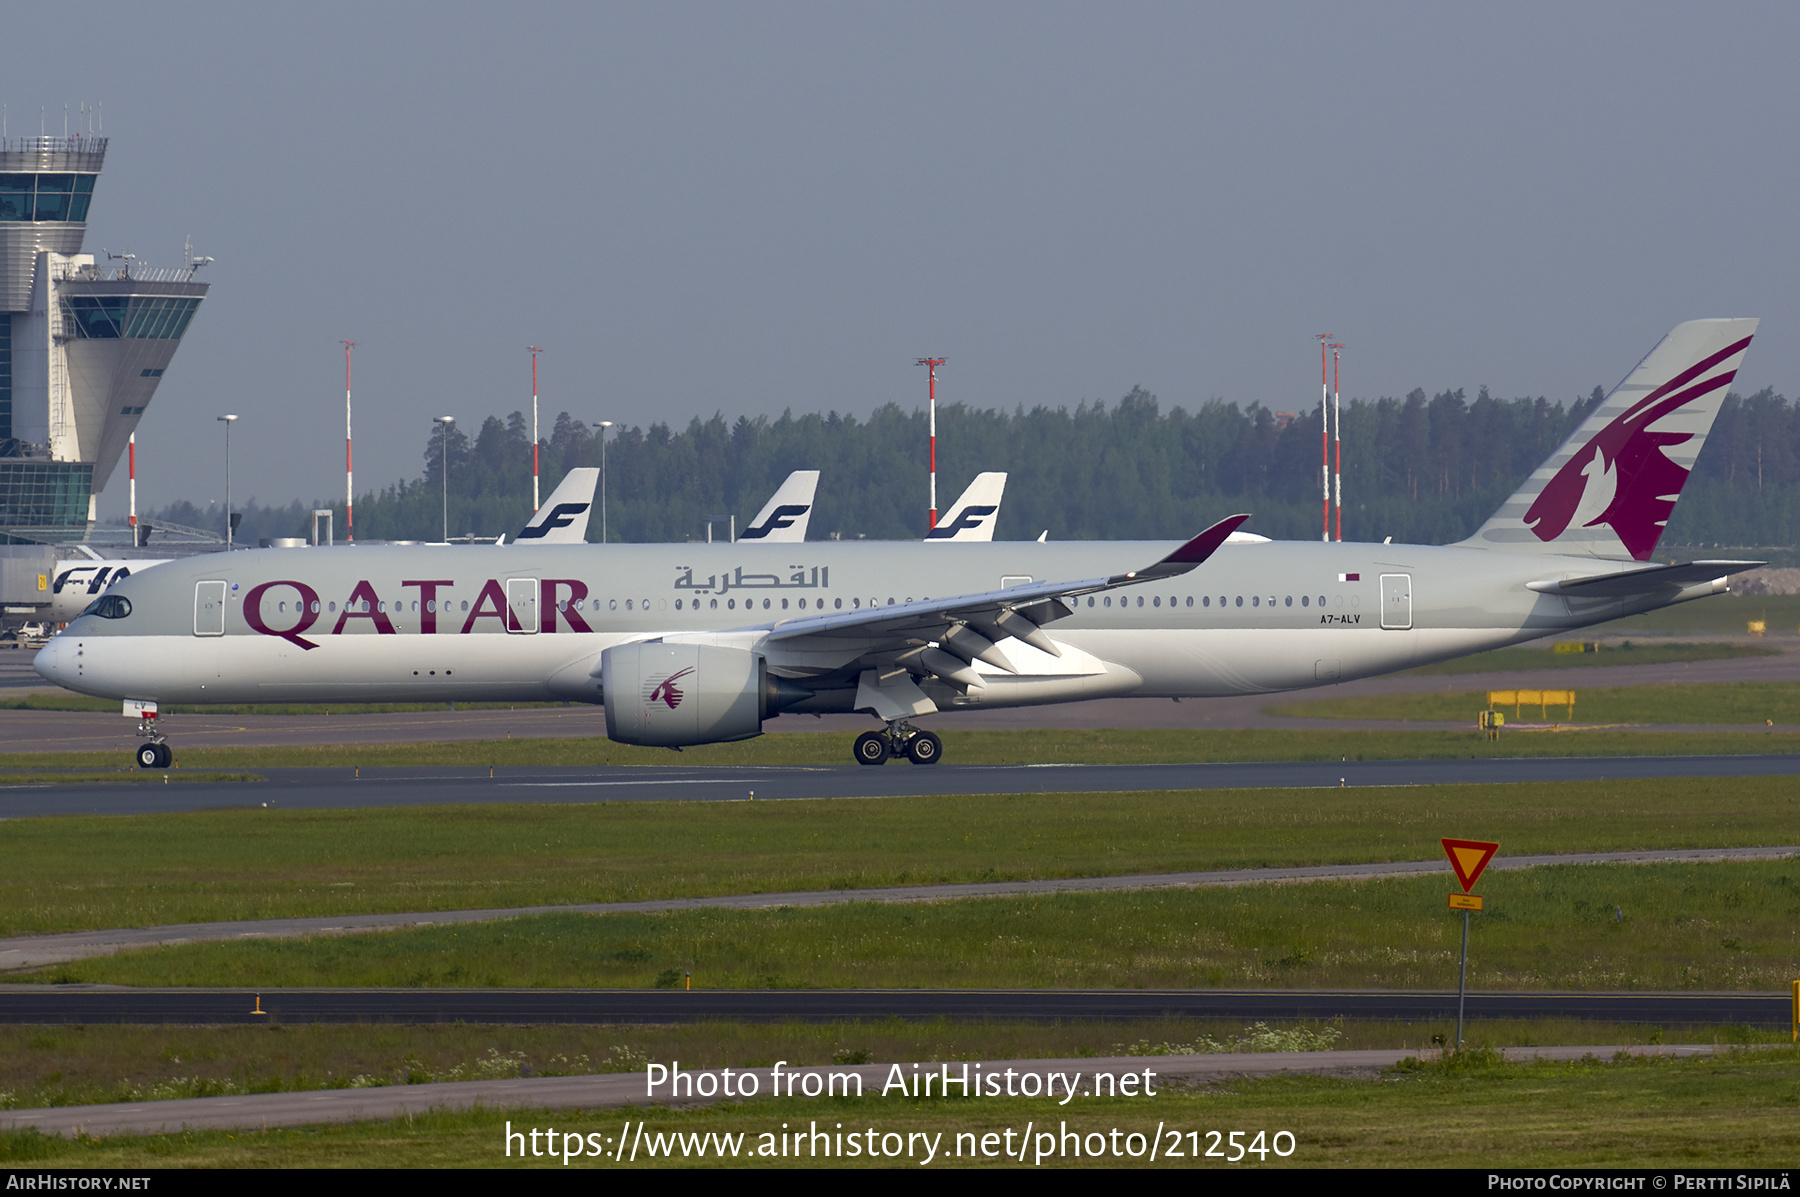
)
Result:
{"points": [[1465, 901]]}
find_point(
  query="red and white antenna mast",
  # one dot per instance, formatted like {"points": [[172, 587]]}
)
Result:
{"points": [[131, 449], [933, 363], [349, 472], [1337, 444], [1324, 437], [535, 503]]}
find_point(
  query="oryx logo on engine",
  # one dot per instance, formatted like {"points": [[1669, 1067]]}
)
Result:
{"points": [[667, 691]]}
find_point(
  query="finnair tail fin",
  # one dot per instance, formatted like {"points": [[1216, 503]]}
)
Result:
{"points": [[972, 516], [563, 519], [784, 517], [1609, 491]]}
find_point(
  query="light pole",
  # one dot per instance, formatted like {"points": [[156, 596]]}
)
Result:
{"points": [[230, 531], [603, 425], [444, 423], [535, 501]]}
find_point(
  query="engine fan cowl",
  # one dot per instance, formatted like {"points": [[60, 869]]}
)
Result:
{"points": [[669, 695]]}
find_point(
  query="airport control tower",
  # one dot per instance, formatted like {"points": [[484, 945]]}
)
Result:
{"points": [[82, 346]]}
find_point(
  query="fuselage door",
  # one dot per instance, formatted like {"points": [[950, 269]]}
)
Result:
{"points": [[1396, 601], [522, 605], [209, 608]]}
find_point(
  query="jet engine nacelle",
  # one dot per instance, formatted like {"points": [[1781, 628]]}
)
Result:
{"points": [[668, 695]]}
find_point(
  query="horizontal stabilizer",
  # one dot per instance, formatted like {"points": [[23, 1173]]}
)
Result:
{"points": [[1643, 581]]}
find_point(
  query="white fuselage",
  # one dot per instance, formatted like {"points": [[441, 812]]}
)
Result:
{"points": [[447, 623]]}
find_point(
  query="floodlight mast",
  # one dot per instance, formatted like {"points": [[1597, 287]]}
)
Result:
{"points": [[444, 424], [230, 526], [603, 425], [535, 501], [349, 472], [1324, 439], [933, 363], [1337, 444]]}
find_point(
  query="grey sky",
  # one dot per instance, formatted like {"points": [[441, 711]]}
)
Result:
{"points": [[742, 208]]}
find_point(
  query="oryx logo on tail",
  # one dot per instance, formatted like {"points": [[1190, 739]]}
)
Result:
{"points": [[1609, 491], [1623, 477]]}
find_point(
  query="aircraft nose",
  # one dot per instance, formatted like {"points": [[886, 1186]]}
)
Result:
{"points": [[56, 660]]}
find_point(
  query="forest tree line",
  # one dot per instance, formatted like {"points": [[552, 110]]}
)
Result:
{"points": [[1419, 469]]}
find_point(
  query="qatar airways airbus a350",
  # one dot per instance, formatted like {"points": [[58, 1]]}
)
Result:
{"points": [[694, 644]]}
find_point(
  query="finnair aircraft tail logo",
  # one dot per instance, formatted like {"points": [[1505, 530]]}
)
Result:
{"points": [[783, 516], [559, 516], [968, 517], [667, 691], [1623, 477]]}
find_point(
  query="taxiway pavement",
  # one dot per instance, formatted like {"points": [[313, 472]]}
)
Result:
{"points": [[328, 788], [66, 1004]]}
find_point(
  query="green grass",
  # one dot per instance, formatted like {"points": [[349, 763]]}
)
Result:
{"points": [[1716, 702], [79, 872], [1734, 1112], [1542, 656], [1724, 926], [81, 1065], [1085, 746]]}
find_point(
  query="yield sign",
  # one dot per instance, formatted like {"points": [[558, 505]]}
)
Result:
{"points": [[1468, 858]]}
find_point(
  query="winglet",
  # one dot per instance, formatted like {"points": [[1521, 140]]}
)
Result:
{"points": [[1190, 554]]}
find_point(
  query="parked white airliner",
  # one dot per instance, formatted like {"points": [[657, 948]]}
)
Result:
{"points": [[692, 644]]}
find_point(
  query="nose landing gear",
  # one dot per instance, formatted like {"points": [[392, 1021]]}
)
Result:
{"points": [[899, 739], [156, 754]]}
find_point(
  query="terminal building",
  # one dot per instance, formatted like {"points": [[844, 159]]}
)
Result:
{"points": [[84, 344]]}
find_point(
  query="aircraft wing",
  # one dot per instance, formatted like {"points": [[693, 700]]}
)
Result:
{"points": [[1642, 581], [563, 519], [970, 623], [784, 517]]}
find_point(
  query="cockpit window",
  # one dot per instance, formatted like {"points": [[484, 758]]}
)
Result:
{"points": [[110, 606]]}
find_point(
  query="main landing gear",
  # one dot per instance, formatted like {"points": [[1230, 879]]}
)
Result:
{"points": [[156, 754], [900, 739]]}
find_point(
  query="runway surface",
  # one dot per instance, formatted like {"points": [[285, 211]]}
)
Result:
{"points": [[614, 1090], [206, 1007], [74, 731], [327, 788], [34, 951]]}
